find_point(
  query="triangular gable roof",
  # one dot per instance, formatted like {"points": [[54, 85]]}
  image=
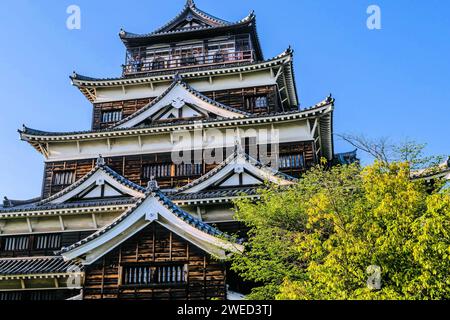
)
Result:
{"points": [[100, 182], [251, 172], [190, 13], [180, 93], [155, 207]]}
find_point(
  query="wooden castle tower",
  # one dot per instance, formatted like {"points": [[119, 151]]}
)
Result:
{"points": [[118, 217]]}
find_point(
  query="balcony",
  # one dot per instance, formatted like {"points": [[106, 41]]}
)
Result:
{"points": [[160, 63]]}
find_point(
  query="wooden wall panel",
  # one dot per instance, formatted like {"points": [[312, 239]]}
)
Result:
{"points": [[236, 98], [128, 107], [206, 277], [131, 167]]}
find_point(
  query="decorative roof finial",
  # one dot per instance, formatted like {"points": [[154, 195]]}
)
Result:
{"points": [[152, 185], [6, 202], [190, 3], [329, 98], [177, 77], [100, 161], [74, 74]]}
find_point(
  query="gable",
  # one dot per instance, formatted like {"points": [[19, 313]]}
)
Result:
{"points": [[102, 190], [238, 179], [237, 171], [154, 208], [189, 22], [179, 110], [179, 101], [100, 183], [190, 18]]}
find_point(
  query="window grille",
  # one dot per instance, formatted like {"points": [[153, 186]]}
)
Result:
{"points": [[111, 116], [64, 178], [20, 243], [48, 241], [154, 275], [295, 161], [156, 171], [186, 170], [257, 102]]}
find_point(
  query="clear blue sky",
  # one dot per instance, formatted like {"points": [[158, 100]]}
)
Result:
{"points": [[393, 82]]}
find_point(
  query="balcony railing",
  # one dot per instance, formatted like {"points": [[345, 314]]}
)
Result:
{"points": [[157, 64]]}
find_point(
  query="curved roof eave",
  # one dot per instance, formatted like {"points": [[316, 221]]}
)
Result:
{"points": [[32, 135], [82, 81], [128, 36]]}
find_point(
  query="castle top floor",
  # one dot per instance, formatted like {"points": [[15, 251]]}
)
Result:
{"points": [[192, 39]]}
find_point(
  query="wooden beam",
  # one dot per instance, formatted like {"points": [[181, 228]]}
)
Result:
{"points": [[61, 223], [278, 73], [30, 227], [94, 221]]}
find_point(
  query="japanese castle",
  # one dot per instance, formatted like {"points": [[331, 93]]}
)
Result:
{"points": [[141, 206]]}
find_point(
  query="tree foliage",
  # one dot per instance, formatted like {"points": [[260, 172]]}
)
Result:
{"points": [[316, 240]]}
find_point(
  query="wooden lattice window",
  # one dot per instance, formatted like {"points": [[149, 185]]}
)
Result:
{"points": [[147, 275], [10, 296], [19, 243], [257, 102], [293, 161], [156, 171], [187, 170], [158, 63], [47, 241], [112, 116], [63, 178]]}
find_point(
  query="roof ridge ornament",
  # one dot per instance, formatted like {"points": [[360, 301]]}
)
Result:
{"points": [[190, 3], [177, 77], [6, 202], [100, 161], [152, 185], [329, 98]]}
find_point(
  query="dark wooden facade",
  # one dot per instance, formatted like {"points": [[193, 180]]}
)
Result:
{"points": [[38, 245], [242, 99], [155, 247], [136, 168]]}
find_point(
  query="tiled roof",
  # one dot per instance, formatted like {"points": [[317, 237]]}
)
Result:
{"points": [[69, 205], [189, 9], [346, 157], [439, 171], [33, 132], [37, 266], [166, 202], [212, 194], [78, 77]]}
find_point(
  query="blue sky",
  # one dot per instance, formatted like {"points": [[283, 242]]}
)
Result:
{"points": [[392, 82]]}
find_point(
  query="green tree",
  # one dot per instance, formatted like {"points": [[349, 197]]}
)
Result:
{"points": [[317, 239]]}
